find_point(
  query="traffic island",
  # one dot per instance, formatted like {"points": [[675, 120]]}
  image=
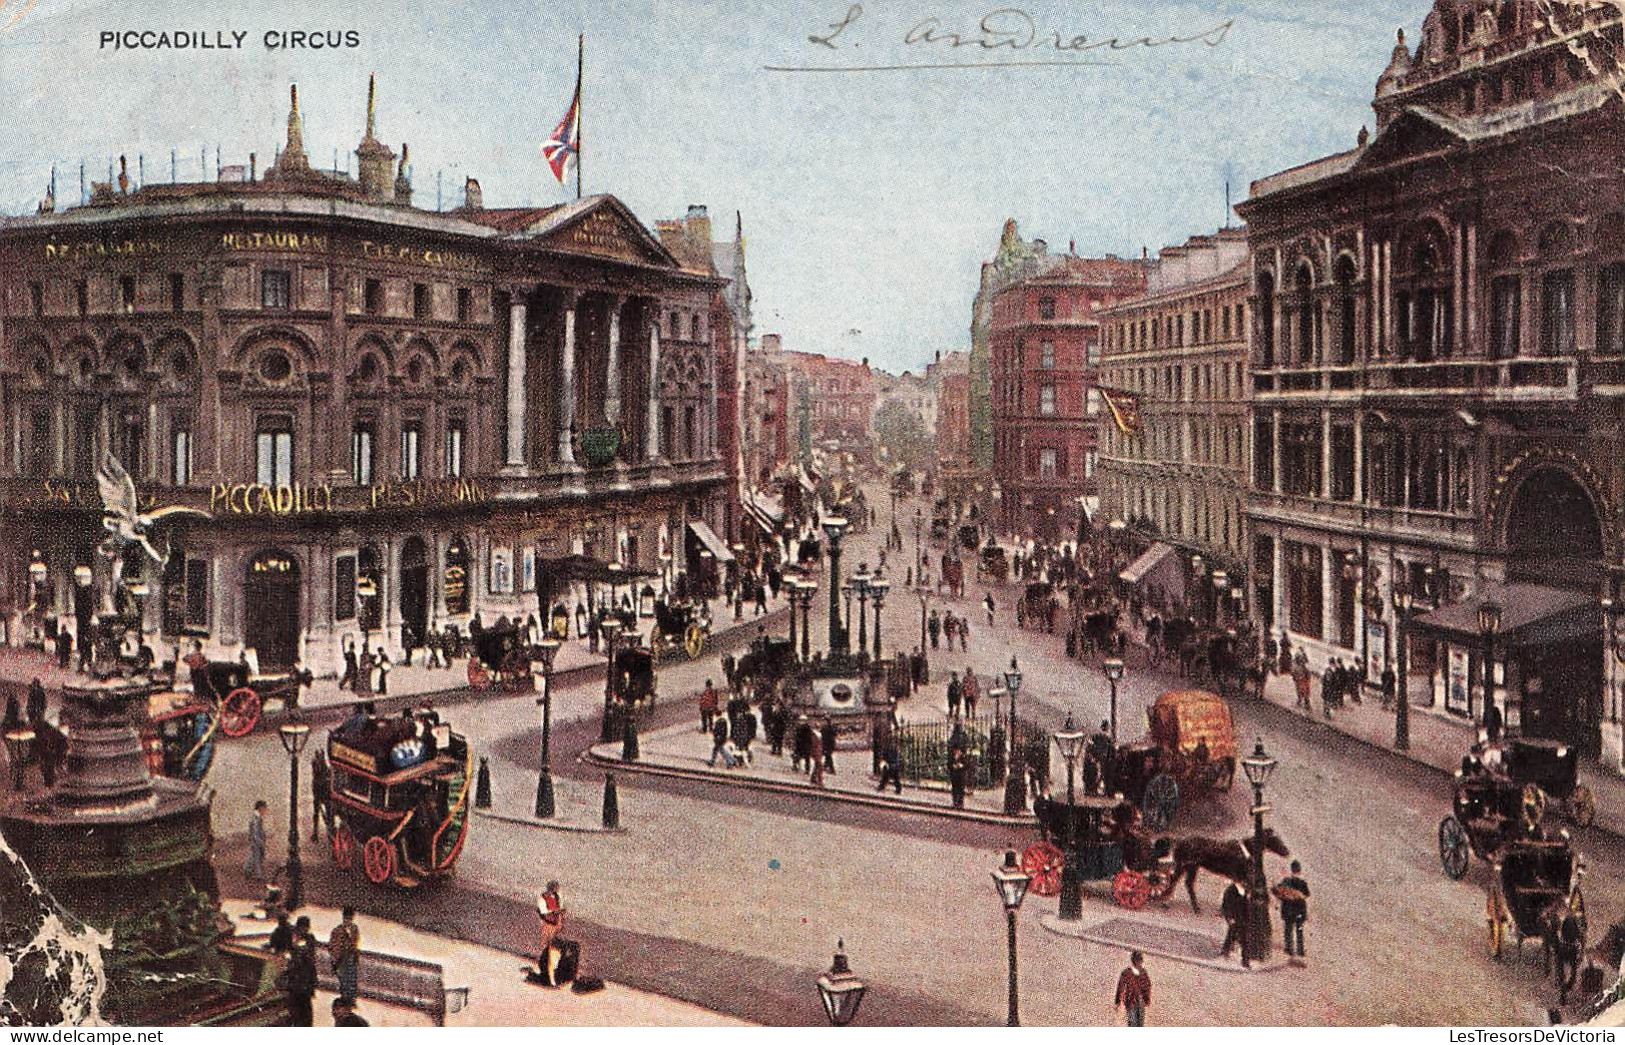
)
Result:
{"points": [[683, 752], [1163, 935]]}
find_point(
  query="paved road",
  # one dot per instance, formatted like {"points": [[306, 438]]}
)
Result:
{"points": [[711, 888]]}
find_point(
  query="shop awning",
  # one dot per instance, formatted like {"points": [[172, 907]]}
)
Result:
{"points": [[1531, 615], [765, 512], [1159, 569], [585, 568], [1142, 567], [710, 541]]}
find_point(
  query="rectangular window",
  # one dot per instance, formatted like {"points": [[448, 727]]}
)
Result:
{"points": [[1300, 459], [81, 297], [276, 289], [177, 292], [1611, 310], [1048, 463], [1557, 313], [36, 298], [454, 448], [126, 293], [1506, 316], [1093, 352], [39, 444], [132, 438], [180, 443], [421, 301], [465, 304], [1046, 353], [1046, 308], [1305, 598], [363, 453], [411, 449], [372, 297], [1093, 403], [344, 587], [1342, 463], [273, 450], [84, 443], [1046, 400], [197, 593]]}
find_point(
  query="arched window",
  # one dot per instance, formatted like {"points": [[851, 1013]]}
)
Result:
{"points": [[1308, 332], [1347, 328], [1266, 320], [1506, 297], [1556, 291], [1423, 301], [1611, 287]]}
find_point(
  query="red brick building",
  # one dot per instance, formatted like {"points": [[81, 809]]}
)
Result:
{"points": [[1045, 351], [841, 396]]}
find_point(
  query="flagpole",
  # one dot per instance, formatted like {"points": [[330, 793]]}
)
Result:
{"points": [[580, 50]]}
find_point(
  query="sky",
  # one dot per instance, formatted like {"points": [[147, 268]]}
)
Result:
{"points": [[869, 199]]}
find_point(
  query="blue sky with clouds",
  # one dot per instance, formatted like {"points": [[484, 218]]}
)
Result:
{"points": [[869, 199]]}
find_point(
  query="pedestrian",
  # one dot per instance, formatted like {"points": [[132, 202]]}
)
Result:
{"points": [[362, 683], [381, 660], [344, 1014], [748, 730], [987, 603], [1293, 892], [891, 763], [761, 598], [344, 947], [347, 680], [1234, 909], [1300, 680], [281, 941], [827, 735], [969, 692], [934, 627], [816, 757], [299, 978], [719, 737], [1492, 721], [801, 745], [708, 706], [254, 869], [321, 795], [13, 722], [64, 648], [36, 700], [950, 628], [550, 910], [956, 772], [964, 634], [954, 691], [1134, 990], [1285, 662]]}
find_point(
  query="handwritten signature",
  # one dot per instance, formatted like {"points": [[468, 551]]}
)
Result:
{"points": [[27, 6], [999, 34]]}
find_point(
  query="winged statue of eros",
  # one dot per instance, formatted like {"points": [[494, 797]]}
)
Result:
{"points": [[121, 513]]}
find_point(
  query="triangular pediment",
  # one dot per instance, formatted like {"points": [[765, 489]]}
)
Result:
{"points": [[1414, 132], [601, 227]]}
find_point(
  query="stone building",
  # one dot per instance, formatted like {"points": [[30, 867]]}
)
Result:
{"points": [[1180, 352], [392, 417], [1438, 366], [1045, 339], [838, 396]]}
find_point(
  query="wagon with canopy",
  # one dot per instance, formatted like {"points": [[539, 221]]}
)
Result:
{"points": [[1191, 748]]}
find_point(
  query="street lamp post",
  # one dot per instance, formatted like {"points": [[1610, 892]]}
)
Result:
{"points": [[1404, 599], [548, 649], [610, 630], [877, 593], [294, 736], [1114, 675], [791, 584], [834, 528], [1199, 577], [859, 586], [805, 591], [1071, 740], [919, 554], [924, 596], [1015, 781], [1011, 882], [840, 990], [1489, 626], [1258, 767], [1221, 581]]}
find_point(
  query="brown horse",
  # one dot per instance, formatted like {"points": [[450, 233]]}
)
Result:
{"points": [[1231, 860]]}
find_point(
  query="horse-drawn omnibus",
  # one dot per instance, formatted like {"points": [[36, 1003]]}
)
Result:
{"points": [[400, 797]]}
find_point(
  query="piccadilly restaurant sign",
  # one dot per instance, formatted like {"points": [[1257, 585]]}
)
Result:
{"points": [[281, 499]]}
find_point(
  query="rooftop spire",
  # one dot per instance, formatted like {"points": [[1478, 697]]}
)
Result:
{"points": [[372, 103], [293, 153]]}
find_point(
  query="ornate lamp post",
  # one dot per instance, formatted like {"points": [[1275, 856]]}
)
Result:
{"points": [[1404, 599], [859, 586], [1221, 582], [840, 990], [877, 594], [805, 590], [834, 529], [1114, 675], [1071, 740], [611, 631], [18, 743], [1258, 767], [548, 649], [1011, 882], [1199, 579], [791, 585], [1489, 626], [294, 736], [1015, 780], [924, 596]]}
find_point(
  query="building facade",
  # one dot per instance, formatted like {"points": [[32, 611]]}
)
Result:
{"points": [[1438, 369], [1181, 353], [1045, 340], [384, 417], [838, 397], [1009, 263], [950, 375]]}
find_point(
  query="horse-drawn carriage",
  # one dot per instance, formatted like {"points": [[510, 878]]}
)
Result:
{"points": [[240, 691], [1495, 808], [1037, 606], [1110, 844], [400, 797], [500, 657], [681, 626], [993, 564], [178, 735], [767, 663], [1191, 747], [1536, 892], [635, 675]]}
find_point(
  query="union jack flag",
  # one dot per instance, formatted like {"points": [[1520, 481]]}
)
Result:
{"points": [[1125, 410], [560, 150]]}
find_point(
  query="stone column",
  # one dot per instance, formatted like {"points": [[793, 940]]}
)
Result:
{"points": [[1359, 457], [517, 319], [1326, 454], [1275, 451], [567, 379], [652, 447], [1329, 590], [612, 365], [1388, 294], [1472, 284]]}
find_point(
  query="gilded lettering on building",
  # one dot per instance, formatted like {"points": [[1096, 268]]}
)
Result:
{"points": [[297, 241], [82, 250], [265, 499], [441, 259], [425, 493]]}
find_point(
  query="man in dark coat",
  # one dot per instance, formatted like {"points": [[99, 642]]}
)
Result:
{"points": [[1234, 909], [36, 700], [719, 738], [891, 764], [299, 978], [801, 746], [347, 680], [321, 795], [954, 690], [827, 734], [1293, 892], [1389, 686], [64, 648]]}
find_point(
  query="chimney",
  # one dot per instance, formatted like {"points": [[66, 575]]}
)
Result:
{"points": [[253, 167], [403, 184], [375, 161], [473, 198], [699, 229]]}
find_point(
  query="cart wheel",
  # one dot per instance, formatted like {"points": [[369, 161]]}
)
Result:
{"points": [[694, 641], [1161, 802], [478, 675], [378, 860], [240, 712], [1131, 890], [1533, 805], [1043, 862], [343, 848], [1582, 806], [1453, 847]]}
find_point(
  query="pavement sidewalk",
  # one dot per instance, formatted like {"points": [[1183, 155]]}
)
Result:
{"points": [[684, 751]]}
